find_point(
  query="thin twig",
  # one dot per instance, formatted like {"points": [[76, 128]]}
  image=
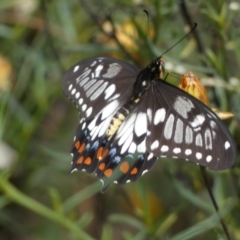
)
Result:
{"points": [[204, 175], [188, 20]]}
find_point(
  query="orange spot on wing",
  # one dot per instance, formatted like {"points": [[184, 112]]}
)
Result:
{"points": [[77, 144], [82, 147], [105, 153], [101, 153], [134, 171], [108, 172], [124, 167], [80, 160], [101, 166], [88, 161]]}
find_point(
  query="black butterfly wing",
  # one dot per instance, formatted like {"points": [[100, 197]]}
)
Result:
{"points": [[96, 82], [183, 127], [98, 86], [167, 122]]}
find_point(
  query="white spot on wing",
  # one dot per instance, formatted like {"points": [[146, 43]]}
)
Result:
{"points": [[98, 70], [155, 145], [89, 84], [113, 70], [213, 124], [188, 135], [77, 95], [109, 91], [70, 87], [93, 123], [74, 170], [169, 127], [199, 141], [159, 116], [132, 148], [198, 155], [84, 107], [93, 88], [114, 97], [142, 147], [111, 108], [97, 93], [89, 111], [84, 125], [124, 137], [127, 144], [177, 150], [140, 124], [73, 91], [99, 130], [150, 156], [149, 114], [80, 101], [164, 148], [178, 136], [188, 152], [93, 63], [227, 145], [198, 121], [209, 158], [183, 105], [75, 68], [83, 78], [208, 139]]}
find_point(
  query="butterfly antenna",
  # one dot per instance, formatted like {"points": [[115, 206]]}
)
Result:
{"points": [[149, 40], [193, 28], [148, 23]]}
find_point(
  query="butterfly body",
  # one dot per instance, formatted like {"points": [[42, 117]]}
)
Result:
{"points": [[129, 118]]}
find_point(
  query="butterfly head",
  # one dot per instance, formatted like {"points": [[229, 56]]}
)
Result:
{"points": [[157, 67], [154, 71]]}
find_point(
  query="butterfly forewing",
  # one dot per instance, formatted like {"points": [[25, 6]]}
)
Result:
{"points": [[186, 128], [95, 82], [123, 132]]}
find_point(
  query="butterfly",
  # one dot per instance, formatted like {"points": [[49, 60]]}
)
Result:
{"points": [[131, 117]]}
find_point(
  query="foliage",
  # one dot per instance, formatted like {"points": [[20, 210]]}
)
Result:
{"points": [[40, 40]]}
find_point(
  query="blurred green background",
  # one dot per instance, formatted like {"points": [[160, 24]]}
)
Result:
{"points": [[39, 41]]}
